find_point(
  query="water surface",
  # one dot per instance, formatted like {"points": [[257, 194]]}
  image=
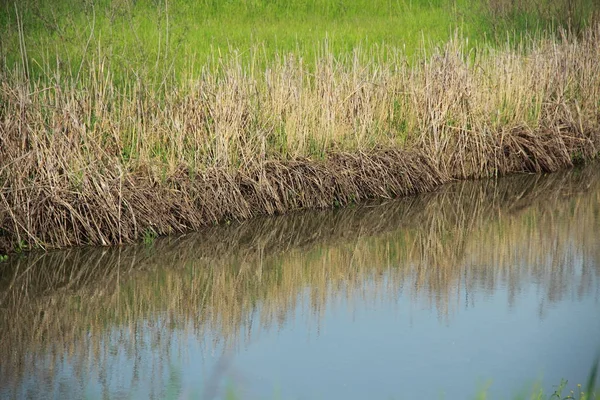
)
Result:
{"points": [[492, 284]]}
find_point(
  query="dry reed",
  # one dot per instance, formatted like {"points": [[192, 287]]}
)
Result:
{"points": [[94, 159]]}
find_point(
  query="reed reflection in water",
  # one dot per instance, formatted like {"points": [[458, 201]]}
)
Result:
{"points": [[169, 320]]}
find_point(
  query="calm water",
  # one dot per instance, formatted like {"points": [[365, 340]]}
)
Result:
{"points": [[491, 284]]}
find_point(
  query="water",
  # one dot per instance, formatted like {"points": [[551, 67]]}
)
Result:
{"points": [[481, 285]]}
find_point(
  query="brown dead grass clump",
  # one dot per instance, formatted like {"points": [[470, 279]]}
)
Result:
{"points": [[115, 209], [92, 159]]}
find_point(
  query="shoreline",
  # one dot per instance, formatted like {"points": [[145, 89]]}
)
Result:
{"points": [[183, 205]]}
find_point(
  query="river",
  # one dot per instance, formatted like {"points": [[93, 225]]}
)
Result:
{"points": [[487, 285]]}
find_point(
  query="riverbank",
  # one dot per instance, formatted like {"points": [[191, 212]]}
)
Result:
{"points": [[88, 159]]}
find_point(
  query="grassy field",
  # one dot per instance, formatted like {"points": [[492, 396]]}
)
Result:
{"points": [[164, 35], [121, 119]]}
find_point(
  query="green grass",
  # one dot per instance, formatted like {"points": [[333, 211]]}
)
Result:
{"points": [[165, 35], [168, 37]]}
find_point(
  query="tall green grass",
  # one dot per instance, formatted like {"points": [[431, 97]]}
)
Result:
{"points": [[166, 35], [528, 15]]}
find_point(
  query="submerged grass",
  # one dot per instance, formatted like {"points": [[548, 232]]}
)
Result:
{"points": [[91, 153]]}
